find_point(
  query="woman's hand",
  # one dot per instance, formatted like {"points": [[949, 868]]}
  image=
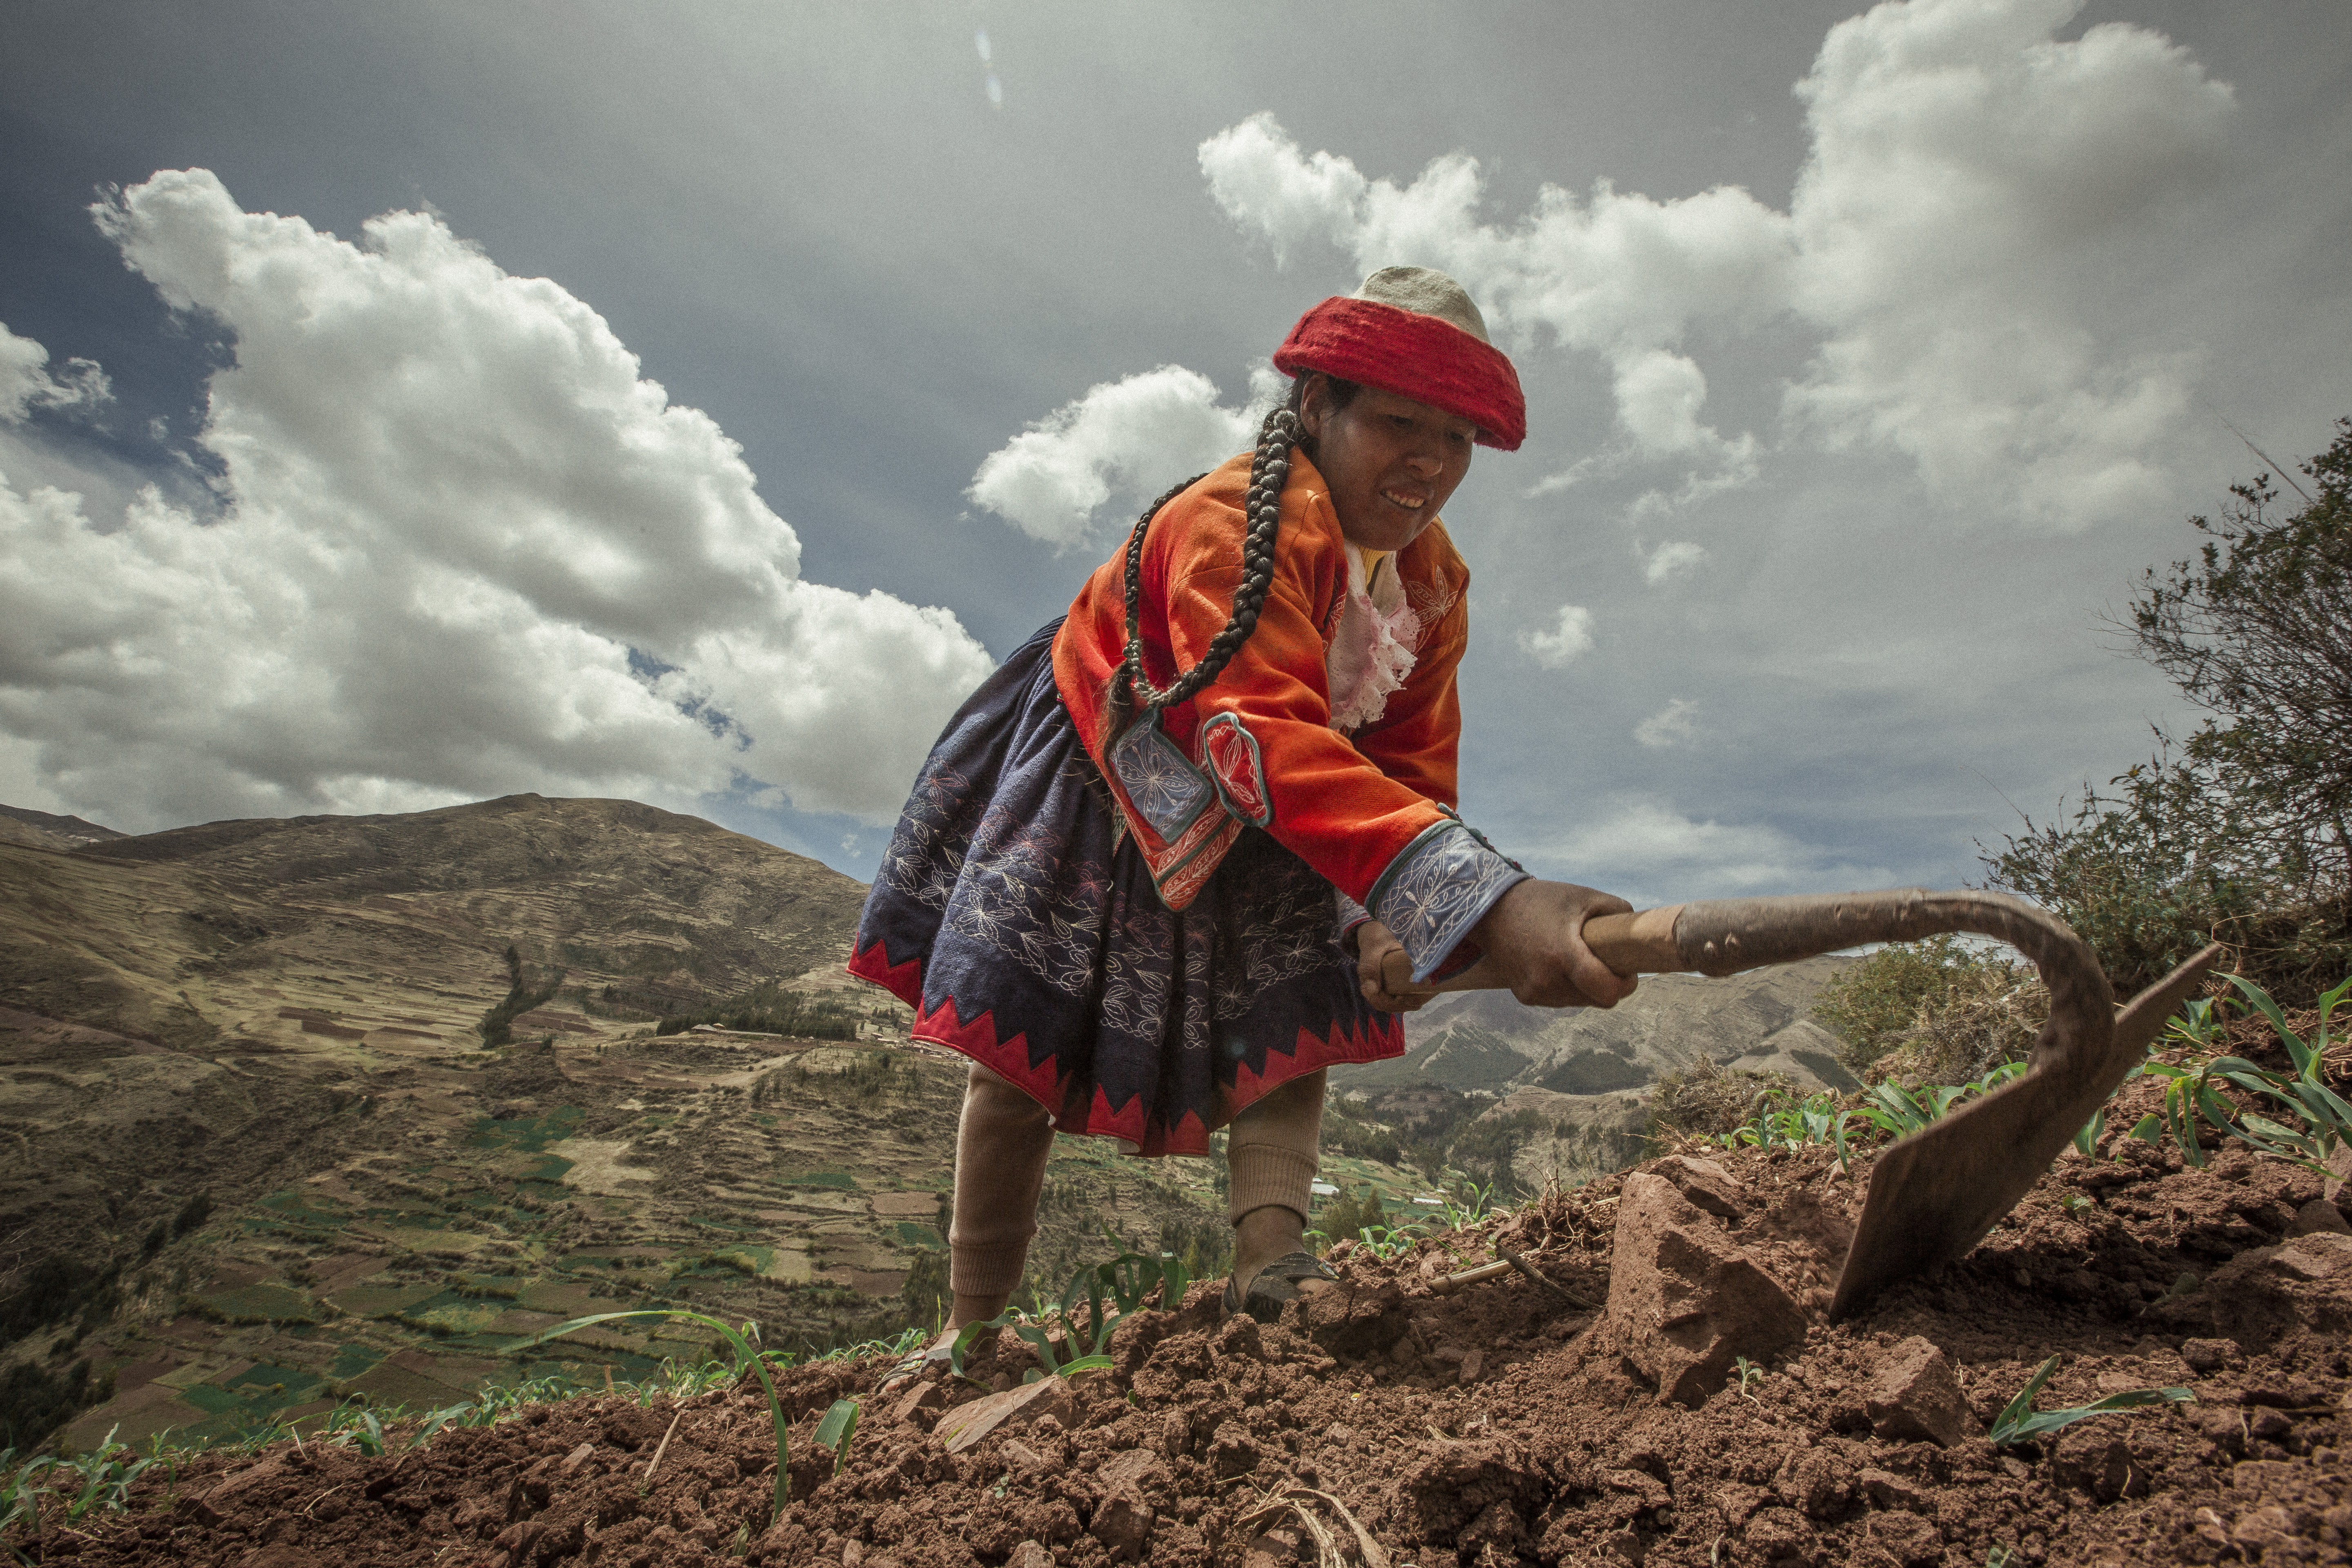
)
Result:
{"points": [[1385, 972], [1534, 940]]}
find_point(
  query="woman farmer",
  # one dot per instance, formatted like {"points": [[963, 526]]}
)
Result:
{"points": [[1195, 841]]}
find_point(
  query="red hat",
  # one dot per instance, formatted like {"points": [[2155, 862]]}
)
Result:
{"points": [[1414, 332]]}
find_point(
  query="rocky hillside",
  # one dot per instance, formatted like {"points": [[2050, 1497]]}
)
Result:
{"points": [[45, 830], [1566, 1093]]}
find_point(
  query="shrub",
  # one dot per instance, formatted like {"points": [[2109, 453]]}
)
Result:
{"points": [[2240, 834], [1937, 1010], [1350, 1213], [1708, 1100]]}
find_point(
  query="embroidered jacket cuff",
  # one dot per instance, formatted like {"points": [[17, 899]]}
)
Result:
{"points": [[1436, 888], [1350, 914]]}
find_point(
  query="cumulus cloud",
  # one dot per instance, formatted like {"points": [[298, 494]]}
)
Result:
{"points": [[1671, 560], [1126, 439], [1648, 848], [1672, 725], [25, 383], [1570, 638], [1968, 172], [464, 547], [1970, 180]]}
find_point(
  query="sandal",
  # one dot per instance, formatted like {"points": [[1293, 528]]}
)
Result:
{"points": [[1273, 1285]]}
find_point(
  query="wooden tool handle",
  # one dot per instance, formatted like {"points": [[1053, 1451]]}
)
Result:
{"points": [[1640, 944]]}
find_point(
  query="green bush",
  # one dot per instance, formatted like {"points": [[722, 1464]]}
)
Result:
{"points": [[2239, 833], [1343, 1218], [2179, 858]]}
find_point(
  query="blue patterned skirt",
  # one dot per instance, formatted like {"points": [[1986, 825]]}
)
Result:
{"points": [[1020, 922]]}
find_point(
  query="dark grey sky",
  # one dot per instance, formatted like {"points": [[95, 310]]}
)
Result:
{"points": [[813, 225]]}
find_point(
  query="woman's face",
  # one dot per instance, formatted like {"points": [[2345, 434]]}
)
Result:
{"points": [[1391, 462]]}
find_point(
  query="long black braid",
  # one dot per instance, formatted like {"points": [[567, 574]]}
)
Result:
{"points": [[1269, 470]]}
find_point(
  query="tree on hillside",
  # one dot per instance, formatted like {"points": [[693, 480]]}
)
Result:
{"points": [[2239, 833], [2259, 631]]}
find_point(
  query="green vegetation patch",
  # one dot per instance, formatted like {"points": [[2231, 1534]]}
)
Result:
{"points": [[269, 1302], [839, 1179], [351, 1360], [261, 1382], [296, 1215], [367, 1300], [529, 1135], [558, 1296], [451, 1312], [914, 1233]]}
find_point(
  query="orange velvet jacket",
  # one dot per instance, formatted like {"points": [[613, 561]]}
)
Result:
{"points": [[1372, 811]]}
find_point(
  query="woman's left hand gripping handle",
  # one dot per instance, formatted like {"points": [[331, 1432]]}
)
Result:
{"points": [[1534, 943]]}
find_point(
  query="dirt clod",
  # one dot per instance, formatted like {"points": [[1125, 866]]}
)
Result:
{"points": [[1685, 1300], [2318, 1216], [1913, 1398]]}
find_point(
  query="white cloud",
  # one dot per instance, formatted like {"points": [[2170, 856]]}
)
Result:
{"points": [[1126, 439], [1969, 173], [1557, 648], [25, 383], [1971, 185], [1647, 845], [1671, 560], [464, 547], [1672, 725]]}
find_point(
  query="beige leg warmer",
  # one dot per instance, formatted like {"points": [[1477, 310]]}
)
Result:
{"points": [[1001, 1143], [1270, 1148]]}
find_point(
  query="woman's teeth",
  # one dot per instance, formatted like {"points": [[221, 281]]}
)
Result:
{"points": [[1410, 503]]}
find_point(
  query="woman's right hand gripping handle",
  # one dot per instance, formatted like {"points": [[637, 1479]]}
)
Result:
{"points": [[1534, 942]]}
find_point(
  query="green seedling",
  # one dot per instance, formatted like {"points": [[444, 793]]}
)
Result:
{"points": [[2020, 1421], [1385, 1241], [1900, 1111], [352, 1425], [838, 1430], [1478, 1204], [1749, 1373], [1110, 1291], [2075, 1203], [2087, 1142], [2323, 1121], [746, 1359]]}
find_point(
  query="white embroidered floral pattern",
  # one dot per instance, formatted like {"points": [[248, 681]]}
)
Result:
{"points": [[1166, 788], [1441, 885]]}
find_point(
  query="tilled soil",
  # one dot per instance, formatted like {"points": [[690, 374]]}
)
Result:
{"points": [[1499, 1424]]}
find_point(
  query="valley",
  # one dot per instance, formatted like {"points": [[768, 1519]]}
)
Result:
{"points": [[256, 1157]]}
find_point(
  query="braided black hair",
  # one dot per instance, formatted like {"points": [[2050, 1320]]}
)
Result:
{"points": [[1269, 470]]}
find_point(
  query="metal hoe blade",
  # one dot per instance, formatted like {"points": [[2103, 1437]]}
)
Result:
{"points": [[1933, 1196]]}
